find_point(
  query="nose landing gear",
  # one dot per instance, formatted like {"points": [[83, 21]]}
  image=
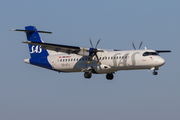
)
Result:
{"points": [[155, 73]]}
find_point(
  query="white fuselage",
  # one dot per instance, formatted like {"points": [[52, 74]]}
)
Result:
{"points": [[109, 61]]}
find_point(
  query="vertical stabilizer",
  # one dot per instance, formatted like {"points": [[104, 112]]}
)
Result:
{"points": [[35, 50]]}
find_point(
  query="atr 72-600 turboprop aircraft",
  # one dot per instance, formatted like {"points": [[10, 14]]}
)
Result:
{"points": [[64, 58]]}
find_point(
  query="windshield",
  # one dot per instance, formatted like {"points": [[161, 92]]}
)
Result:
{"points": [[150, 53]]}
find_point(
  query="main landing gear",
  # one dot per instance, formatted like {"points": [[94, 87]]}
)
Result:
{"points": [[109, 76], [87, 75]]}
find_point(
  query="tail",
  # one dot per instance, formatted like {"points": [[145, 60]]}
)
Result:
{"points": [[35, 50], [39, 56], [33, 35]]}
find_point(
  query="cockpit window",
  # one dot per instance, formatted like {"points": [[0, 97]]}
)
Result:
{"points": [[150, 53]]}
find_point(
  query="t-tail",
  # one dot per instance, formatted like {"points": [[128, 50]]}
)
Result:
{"points": [[38, 55]]}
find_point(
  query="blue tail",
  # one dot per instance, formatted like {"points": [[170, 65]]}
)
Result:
{"points": [[38, 55], [35, 50]]}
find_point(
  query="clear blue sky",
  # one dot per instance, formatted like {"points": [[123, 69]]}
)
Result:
{"points": [[31, 93]]}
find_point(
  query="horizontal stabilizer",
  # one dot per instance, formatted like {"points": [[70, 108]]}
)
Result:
{"points": [[21, 30], [162, 51]]}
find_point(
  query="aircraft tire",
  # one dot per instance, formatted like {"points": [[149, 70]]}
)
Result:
{"points": [[87, 75], [109, 76], [155, 73]]}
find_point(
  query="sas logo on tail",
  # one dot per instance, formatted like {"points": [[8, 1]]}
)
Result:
{"points": [[36, 49]]}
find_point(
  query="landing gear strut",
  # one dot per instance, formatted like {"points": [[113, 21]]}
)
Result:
{"points": [[87, 75], [155, 73], [109, 76]]}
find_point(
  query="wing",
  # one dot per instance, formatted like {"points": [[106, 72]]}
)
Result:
{"points": [[62, 48], [56, 47]]}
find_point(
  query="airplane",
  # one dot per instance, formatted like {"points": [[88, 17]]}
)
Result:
{"points": [[90, 60]]}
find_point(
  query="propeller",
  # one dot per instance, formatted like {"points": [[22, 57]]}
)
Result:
{"points": [[133, 45], [91, 42], [139, 45], [97, 43], [94, 51]]}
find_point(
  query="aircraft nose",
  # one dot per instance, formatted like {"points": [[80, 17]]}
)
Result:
{"points": [[161, 61]]}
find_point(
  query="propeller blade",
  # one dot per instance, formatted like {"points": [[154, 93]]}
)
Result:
{"points": [[133, 45], [97, 58], [97, 43], [140, 44], [91, 42]]}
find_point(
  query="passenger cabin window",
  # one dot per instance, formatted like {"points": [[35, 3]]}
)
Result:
{"points": [[150, 53]]}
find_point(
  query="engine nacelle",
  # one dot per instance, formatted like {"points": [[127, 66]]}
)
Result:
{"points": [[102, 68], [84, 52]]}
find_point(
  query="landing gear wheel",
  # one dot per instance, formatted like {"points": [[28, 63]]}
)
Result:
{"points": [[87, 75], [155, 73], [109, 76]]}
